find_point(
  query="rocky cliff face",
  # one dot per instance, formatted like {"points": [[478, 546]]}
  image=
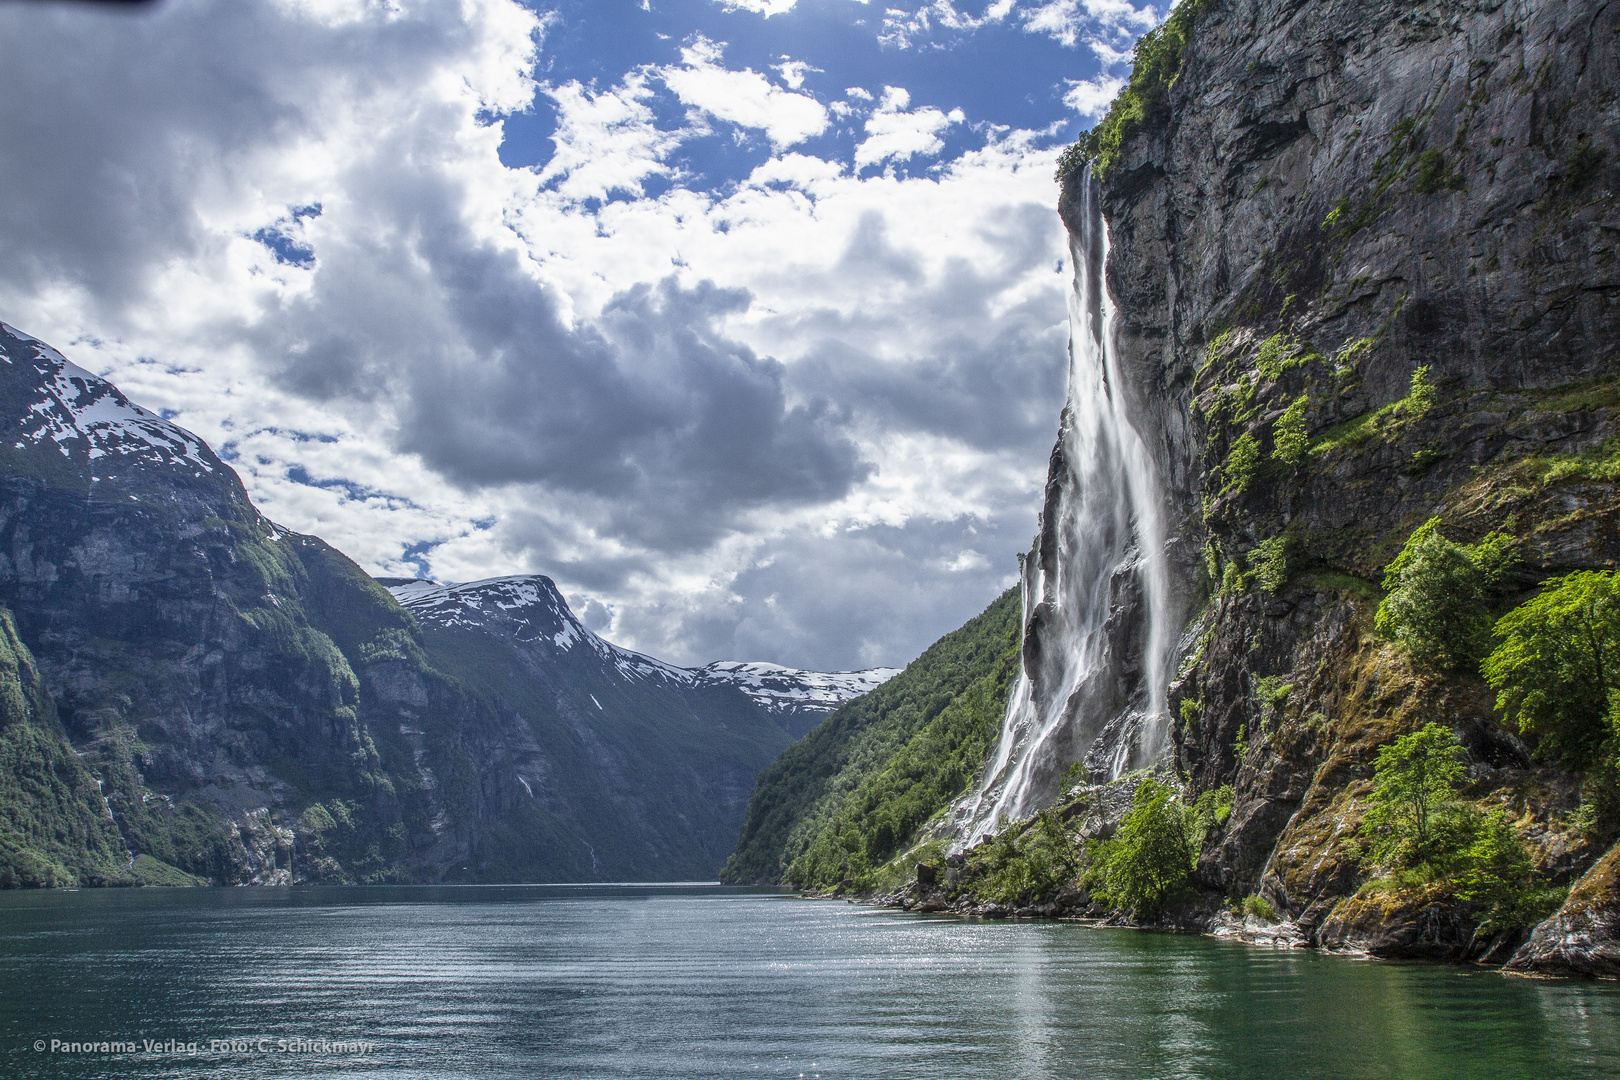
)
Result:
{"points": [[1583, 937], [196, 693], [186, 642], [1336, 194]]}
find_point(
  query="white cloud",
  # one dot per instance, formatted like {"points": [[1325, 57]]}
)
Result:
{"points": [[896, 133], [1110, 54], [766, 8], [606, 142], [902, 29], [745, 98], [1091, 97], [494, 370], [967, 560], [806, 173], [1068, 20], [793, 72]]}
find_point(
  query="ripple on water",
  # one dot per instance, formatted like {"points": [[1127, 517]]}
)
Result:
{"points": [[710, 982]]}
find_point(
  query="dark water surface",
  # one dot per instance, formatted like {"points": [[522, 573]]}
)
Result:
{"points": [[702, 981]]}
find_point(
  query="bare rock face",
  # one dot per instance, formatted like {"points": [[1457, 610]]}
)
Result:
{"points": [[202, 661], [1583, 936], [1429, 925], [1336, 195]]}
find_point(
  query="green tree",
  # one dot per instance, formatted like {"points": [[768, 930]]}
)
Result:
{"points": [[1414, 817], [1290, 442], [1028, 863], [1556, 669], [1436, 605], [1498, 873], [1150, 858]]}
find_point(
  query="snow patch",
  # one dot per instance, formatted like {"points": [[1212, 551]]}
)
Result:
{"points": [[79, 409], [778, 689], [525, 607], [528, 607]]}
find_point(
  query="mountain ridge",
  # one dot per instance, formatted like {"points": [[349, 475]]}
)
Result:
{"points": [[797, 697], [243, 704]]}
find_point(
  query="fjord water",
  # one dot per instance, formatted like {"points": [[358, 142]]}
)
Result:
{"points": [[704, 981]]}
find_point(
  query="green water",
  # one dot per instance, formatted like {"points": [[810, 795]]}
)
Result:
{"points": [[712, 982]]}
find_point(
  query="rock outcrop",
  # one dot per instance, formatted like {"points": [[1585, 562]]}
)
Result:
{"points": [[1583, 937]]}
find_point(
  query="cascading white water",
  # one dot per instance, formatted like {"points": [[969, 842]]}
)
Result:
{"points": [[1098, 638]]}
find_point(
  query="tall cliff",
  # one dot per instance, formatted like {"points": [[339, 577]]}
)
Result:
{"points": [[1402, 214]]}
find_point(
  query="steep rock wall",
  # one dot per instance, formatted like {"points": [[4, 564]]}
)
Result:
{"points": [[1337, 194]]}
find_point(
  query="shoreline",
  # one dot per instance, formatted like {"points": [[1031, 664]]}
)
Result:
{"points": [[1249, 930]]}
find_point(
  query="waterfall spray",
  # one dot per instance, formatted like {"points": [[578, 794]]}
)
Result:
{"points": [[1098, 635]]}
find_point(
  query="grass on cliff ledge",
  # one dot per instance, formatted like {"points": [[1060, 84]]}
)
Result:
{"points": [[1155, 66]]}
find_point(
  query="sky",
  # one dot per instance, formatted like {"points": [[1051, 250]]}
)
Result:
{"points": [[743, 320]]}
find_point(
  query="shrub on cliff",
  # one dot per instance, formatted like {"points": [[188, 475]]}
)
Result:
{"points": [[1415, 818], [1290, 442], [1242, 461], [1155, 66], [1151, 857], [1556, 670], [1497, 873], [1273, 560], [1437, 605], [1029, 863]]}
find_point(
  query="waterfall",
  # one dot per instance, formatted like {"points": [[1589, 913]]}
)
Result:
{"points": [[1098, 634]]}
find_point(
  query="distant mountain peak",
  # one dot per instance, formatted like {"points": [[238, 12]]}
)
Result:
{"points": [[87, 418], [778, 689], [528, 608]]}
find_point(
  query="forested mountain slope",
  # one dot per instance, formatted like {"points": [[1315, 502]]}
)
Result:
{"points": [[191, 693], [841, 801]]}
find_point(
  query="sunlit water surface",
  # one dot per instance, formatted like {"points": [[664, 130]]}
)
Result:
{"points": [[712, 982]]}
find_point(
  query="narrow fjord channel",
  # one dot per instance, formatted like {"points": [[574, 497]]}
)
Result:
{"points": [[703, 981]]}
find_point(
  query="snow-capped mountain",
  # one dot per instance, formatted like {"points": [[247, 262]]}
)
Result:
{"points": [[84, 416], [786, 691], [269, 678], [528, 608]]}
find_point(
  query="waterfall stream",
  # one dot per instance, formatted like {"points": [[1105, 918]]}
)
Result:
{"points": [[1098, 634]]}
